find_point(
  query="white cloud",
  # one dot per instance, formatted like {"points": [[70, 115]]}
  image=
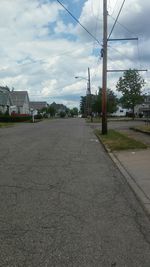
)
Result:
{"points": [[42, 52]]}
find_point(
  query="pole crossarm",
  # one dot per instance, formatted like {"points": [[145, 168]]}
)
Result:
{"points": [[122, 70], [122, 39]]}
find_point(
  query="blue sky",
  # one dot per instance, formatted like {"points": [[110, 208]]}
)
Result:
{"points": [[43, 48]]}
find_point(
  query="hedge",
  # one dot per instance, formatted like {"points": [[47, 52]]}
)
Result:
{"points": [[7, 118]]}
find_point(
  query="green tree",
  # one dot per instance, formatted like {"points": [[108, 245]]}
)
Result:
{"points": [[74, 111], [62, 114], [111, 102], [130, 85], [51, 110], [83, 105]]}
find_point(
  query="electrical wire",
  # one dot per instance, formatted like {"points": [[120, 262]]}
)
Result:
{"points": [[42, 61], [116, 19], [58, 88], [78, 22], [109, 46], [121, 24], [114, 7]]}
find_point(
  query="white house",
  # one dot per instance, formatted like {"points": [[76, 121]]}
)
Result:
{"points": [[37, 106], [5, 100], [121, 112], [144, 108], [21, 101]]}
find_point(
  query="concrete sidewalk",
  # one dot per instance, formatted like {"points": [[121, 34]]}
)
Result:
{"points": [[135, 166]]}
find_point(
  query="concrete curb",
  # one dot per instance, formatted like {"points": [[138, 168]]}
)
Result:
{"points": [[136, 189], [138, 192], [138, 130]]}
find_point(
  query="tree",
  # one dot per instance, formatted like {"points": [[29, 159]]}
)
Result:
{"points": [[111, 102], [74, 112], [130, 85], [83, 105], [62, 114], [51, 110]]}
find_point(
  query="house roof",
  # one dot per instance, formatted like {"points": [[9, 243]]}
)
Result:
{"points": [[38, 105], [58, 107], [19, 97], [5, 98]]}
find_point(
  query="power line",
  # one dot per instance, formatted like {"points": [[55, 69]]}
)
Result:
{"points": [[78, 22], [114, 7], [58, 88], [116, 19], [121, 24], [43, 61]]}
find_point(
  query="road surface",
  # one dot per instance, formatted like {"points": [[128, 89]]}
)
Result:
{"points": [[63, 202]]}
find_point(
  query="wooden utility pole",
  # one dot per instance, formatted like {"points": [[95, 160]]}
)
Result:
{"points": [[104, 73], [89, 81], [88, 94]]}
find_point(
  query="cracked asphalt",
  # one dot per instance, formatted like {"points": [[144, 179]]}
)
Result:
{"points": [[64, 203]]}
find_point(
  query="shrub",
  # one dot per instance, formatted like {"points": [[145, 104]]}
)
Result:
{"points": [[38, 117], [7, 118], [62, 114]]}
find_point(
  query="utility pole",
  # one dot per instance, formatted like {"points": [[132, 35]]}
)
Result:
{"points": [[89, 81], [88, 94], [104, 73]]}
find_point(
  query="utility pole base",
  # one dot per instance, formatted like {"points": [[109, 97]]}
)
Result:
{"points": [[104, 125]]}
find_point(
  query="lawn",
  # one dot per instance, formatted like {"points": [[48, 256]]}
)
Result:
{"points": [[6, 124], [144, 128], [99, 120], [117, 141]]}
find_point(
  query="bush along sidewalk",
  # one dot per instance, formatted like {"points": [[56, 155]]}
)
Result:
{"points": [[7, 118], [114, 141]]}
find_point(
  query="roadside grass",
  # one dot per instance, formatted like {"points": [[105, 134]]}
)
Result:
{"points": [[99, 120], [6, 124], [144, 128], [94, 120], [117, 141]]}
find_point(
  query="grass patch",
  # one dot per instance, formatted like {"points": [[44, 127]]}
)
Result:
{"points": [[117, 141], [144, 128], [5, 124]]}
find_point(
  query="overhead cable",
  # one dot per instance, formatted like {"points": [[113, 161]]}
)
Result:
{"points": [[79, 22], [116, 19], [123, 26]]}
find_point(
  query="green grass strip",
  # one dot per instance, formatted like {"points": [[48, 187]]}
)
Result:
{"points": [[144, 128], [118, 141], [5, 124]]}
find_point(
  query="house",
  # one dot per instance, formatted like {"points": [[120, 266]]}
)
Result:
{"points": [[37, 106], [6, 102], [59, 107], [120, 112], [143, 110], [20, 99]]}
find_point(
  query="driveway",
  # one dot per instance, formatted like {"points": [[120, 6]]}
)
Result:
{"points": [[63, 202]]}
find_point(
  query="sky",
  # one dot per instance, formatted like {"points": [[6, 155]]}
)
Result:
{"points": [[42, 49]]}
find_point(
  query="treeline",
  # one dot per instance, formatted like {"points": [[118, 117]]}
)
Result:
{"points": [[129, 85]]}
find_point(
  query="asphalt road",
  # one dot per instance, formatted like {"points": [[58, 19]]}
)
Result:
{"points": [[64, 203]]}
